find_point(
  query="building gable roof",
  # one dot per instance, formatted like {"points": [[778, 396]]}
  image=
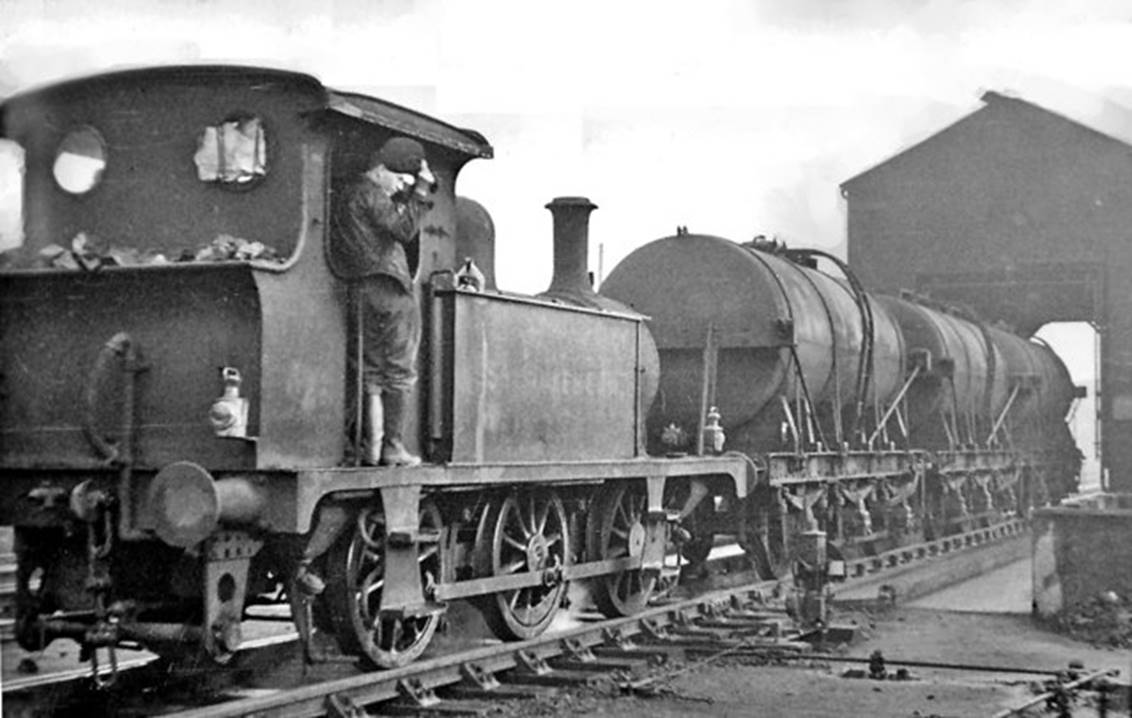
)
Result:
{"points": [[1112, 123]]}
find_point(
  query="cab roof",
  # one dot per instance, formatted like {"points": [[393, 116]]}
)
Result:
{"points": [[354, 105]]}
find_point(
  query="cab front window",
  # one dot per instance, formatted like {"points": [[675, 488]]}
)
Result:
{"points": [[11, 195]]}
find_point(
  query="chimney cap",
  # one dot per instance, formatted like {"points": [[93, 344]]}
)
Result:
{"points": [[571, 202]]}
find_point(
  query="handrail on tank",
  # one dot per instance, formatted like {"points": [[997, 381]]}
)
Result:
{"points": [[868, 329]]}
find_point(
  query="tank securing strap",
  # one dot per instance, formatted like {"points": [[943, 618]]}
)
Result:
{"points": [[811, 411], [807, 257]]}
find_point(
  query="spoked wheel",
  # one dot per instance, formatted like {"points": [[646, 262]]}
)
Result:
{"points": [[527, 533], [357, 576], [617, 530]]}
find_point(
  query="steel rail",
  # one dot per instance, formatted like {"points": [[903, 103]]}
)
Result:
{"points": [[369, 688], [448, 669], [1061, 688], [421, 679], [911, 663]]}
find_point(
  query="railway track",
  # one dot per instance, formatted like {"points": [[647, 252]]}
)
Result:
{"points": [[460, 683], [749, 615], [856, 568]]}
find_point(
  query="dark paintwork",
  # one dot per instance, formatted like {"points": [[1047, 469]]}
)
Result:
{"points": [[280, 324], [686, 282], [959, 358], [149, 196], [535, 381], [186, 320]]}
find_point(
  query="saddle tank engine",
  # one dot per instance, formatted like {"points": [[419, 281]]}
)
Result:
{"points": [[173, 366]]}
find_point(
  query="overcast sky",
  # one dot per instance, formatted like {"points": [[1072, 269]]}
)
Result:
{"points": [[734, 118]]}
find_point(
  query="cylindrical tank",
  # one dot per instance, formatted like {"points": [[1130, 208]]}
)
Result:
{"points": [[1023, 369], [1047, 389], [966, 375], [758, 306], [1056, 388]]}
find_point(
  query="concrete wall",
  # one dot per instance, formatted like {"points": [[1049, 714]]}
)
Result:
{"points": [[1081, 549]]}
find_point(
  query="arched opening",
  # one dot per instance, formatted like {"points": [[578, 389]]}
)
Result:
{"points": [[1078, 345]]}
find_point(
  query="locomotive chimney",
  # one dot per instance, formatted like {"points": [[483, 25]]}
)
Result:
{"points": [[571, 280]]}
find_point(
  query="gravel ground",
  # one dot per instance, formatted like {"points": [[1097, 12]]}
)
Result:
{"points": [[732, 688], [738, 687]]}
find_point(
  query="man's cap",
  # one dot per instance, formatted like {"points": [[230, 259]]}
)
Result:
{"points": [[400, 154]]}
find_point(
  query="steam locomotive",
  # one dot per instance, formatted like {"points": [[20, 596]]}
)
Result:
{"points": [[174, 374]]}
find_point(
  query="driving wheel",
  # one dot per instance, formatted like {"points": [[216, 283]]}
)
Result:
{"points": [[527, 532], [617, 530], [357, 576]]}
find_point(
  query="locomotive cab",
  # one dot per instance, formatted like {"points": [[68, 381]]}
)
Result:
{"points": [[170, 305], [194, 223]]}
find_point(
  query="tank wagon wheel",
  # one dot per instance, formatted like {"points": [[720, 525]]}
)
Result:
{"points": [[617, 531], [764, 544], [354, 590], [696, 551], [527, 532], [770, 562]]}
